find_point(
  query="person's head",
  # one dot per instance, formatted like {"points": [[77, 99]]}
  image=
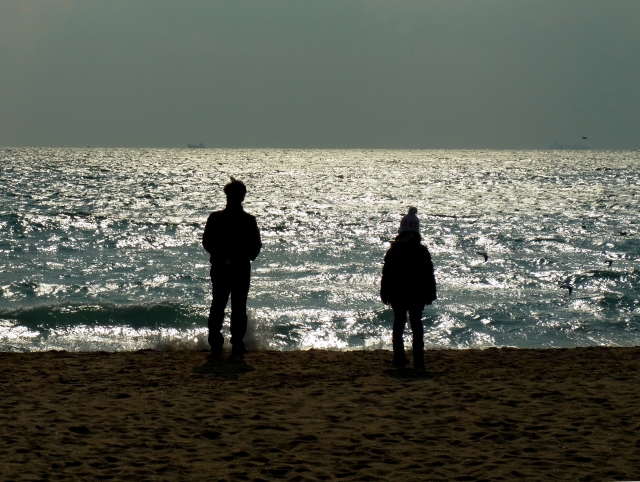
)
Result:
{"points": [[410, 222], [235, 191]]}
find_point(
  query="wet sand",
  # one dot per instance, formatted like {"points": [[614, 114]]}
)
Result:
{"points": [[497, 414]]}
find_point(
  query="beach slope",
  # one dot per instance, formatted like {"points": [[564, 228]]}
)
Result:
{"points": [[496, 414]]}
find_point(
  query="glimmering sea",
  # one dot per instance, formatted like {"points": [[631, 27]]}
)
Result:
{"points": [[101, 248]]}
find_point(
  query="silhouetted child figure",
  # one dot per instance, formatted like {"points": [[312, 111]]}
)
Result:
{"points": [[232, 238], [408, 284]]}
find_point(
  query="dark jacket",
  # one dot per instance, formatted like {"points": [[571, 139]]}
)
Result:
{"points": [[231, 234], [407, 275]]}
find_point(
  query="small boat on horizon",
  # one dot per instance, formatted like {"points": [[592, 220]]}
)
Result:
{"points": [[196, 146]]}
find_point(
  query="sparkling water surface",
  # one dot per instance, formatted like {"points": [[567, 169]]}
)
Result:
{"points": [[101, 247]]}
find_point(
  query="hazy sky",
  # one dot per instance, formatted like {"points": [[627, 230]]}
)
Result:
{"points": [[320, 74]]}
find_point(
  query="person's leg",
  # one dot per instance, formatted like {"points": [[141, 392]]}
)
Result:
{"points": [[220, 297], [239, 294], [399, 321], [417, 330]]}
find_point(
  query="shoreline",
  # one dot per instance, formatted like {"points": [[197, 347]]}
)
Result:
{"points": [[492, 414], [253, 351]]}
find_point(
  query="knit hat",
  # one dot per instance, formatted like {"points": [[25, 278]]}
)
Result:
{"points": [[410, 222]]}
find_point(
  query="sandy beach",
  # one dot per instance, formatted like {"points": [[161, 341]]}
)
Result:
{"points": [[496, 414]]}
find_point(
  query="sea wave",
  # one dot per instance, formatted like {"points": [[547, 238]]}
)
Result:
{"points": [[113, 327], [65, 315]]}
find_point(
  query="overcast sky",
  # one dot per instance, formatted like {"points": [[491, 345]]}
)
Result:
{"points": [[320, 74]]}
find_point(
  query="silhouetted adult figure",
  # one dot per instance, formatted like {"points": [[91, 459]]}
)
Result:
{"points": [[232, 238], [408, 284]]}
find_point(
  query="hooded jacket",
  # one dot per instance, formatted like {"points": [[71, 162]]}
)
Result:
{"points": [[407, 275]]}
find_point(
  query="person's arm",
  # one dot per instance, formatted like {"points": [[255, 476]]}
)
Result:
{"points": [[430, 292], [386, 282], [207, 237], [256, 242], [211, 240]]}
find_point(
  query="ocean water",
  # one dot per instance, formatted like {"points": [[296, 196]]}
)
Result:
{"points": [[101, 250]]}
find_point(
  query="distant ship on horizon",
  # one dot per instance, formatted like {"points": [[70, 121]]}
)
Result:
{"points": [[195, 146]]}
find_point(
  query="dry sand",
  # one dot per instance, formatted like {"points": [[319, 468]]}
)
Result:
{"points": [[564, 414]]}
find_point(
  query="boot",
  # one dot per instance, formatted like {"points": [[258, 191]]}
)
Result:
{"points": [[399, 360], [418, 360]]}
